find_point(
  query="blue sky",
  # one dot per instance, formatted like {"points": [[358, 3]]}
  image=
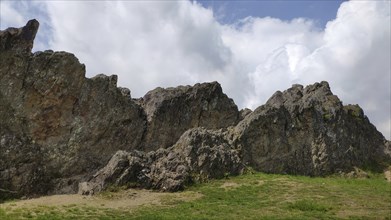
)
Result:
{"points": [[321, 11], [253, 48]]}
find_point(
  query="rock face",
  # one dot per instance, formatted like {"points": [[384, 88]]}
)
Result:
{"points": [[304, 131], [172, 111], [59, 129], [308, 131], [58, 126], [55, 123], [198, 155]]}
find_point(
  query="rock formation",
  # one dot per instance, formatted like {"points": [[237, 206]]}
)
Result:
{"points": [[55, 123], [198, 155], [172, 111], [304, 131], [59, 128], [308, 131]]}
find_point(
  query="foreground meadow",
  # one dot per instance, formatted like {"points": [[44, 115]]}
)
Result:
{"points": [[250, 196]]}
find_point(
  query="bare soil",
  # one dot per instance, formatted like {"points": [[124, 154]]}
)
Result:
{"points": [[387, 174], [128, 199]]}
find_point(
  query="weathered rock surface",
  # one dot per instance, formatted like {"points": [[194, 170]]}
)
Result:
{"points": [[308, 131], [55, 123], [198, 155], [58, 126], [172, 111], [19, 40], [304, 131]]}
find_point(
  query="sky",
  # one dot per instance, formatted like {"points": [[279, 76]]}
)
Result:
{"points": [[227, 12], [253, 48]]}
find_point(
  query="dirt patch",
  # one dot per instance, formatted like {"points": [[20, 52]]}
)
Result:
{"points": [[129, 199], [229, 185], [387, 175], [352, 212]]}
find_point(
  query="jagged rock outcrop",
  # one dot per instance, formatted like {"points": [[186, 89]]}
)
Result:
{"points": [[244, 112], [198, 155], [172, 111], [304, 131], [308, 131], [55, 123], [19, 40], [58, 128]]}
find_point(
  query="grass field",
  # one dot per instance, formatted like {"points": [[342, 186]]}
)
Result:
{"points": [[250, 196]]}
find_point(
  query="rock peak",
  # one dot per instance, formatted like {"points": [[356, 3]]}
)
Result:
{"points": [[19, 40], [30, 30], [318, 95], [172, 111]]}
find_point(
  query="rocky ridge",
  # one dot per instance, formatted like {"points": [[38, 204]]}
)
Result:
{"points": [[61, 132], [172, 111]]}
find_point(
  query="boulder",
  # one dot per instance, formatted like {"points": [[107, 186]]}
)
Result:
{"points": [[198, 155], [308, 131], [172, 111]]}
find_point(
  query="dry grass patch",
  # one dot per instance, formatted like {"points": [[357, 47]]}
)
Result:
{"points": [[250, 196]]}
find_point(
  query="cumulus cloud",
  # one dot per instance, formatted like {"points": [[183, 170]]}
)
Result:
{"points": [[9, 11], [167, 43], [267, 51], [352, 53], [148, 44], [355, 59]]}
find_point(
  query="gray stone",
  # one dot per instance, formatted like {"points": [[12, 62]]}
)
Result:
{"points": [[19, 40], [172, 111], [56, 125], [244, 112], [198, 155], [308, 131]]}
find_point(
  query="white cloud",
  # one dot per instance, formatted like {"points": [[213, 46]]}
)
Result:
{"points": [[268, 51], [352, 53], [148, 44], [167, 43], [9, 11], [355, 59]]}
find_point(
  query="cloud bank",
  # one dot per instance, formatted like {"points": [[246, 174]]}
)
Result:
{"points": [[167, 43]]}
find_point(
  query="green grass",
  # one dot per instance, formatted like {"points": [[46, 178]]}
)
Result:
{"points": [[284, 197], [308, 206], [251, 196]]}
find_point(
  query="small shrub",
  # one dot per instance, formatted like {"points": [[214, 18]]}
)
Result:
{"points": [[249, 170]]}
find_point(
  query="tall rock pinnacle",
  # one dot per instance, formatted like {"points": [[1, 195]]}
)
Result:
{"points": [[19, 40]]}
